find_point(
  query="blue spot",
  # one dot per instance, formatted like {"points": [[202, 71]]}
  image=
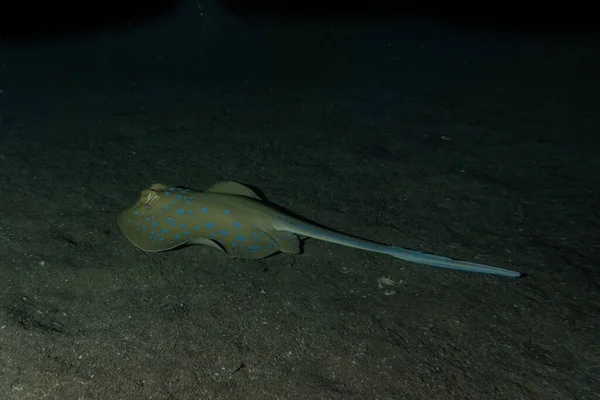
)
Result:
{"points": [[210, 224], [143, 226], [233, 243], [213, 234], [182, 224], [180, 211], [165, 207], [178, 196], [164, 230], [177, 236], [147, 218], [239, 237], [168, 193], [137, 222], [226, 211], [250, 247], [172, 224], [151, 232], [204, 209], [186, 233], [223, 232], [196, 226], [261, 233], [253, 234], [189, 211], [237, 224], [136, 213], [188, 202], [169, 218]]}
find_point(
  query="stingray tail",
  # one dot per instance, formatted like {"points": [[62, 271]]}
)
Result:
{"points": [[445, 262], [306, 229]]}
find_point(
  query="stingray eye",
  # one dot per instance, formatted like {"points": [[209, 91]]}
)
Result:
{"points": [[149, 197]]}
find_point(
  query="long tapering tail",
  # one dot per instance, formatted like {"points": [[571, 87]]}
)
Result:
{"points": [[306, 229]]}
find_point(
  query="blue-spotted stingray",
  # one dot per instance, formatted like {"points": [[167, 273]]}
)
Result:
{"points": [[234, 219]]}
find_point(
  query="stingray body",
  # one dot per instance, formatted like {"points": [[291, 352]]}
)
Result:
{"points": [[233, 218]]}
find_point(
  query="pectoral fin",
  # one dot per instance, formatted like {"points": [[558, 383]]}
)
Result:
{"points": [[234, 188]]}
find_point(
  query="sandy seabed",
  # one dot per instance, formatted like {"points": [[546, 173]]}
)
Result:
{"points": [[478, 148]]}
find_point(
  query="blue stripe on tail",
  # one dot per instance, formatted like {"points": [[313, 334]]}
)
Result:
{"points": [[446, 262], [395, 251]]}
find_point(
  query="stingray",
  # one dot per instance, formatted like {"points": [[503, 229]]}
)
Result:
{"points": [[233, 218]]}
